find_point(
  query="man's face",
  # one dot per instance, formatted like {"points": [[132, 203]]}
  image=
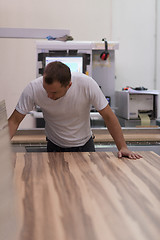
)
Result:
{"points": [[55, 90]]}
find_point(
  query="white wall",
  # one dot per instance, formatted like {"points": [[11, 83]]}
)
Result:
{"points": [[18, 67], [131, 22], [134, 28]]}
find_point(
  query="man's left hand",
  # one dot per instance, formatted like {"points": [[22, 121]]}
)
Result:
{"points": [[125, 152]]}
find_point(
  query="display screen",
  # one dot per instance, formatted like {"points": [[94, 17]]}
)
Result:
{"points": [[75, 63]]}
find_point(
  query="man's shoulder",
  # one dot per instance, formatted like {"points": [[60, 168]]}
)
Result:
{"points": [[80, 77]]}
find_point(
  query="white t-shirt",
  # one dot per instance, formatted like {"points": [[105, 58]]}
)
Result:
{"points": [[67, 119]]}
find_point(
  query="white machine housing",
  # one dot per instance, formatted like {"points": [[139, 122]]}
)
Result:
{"points": [[102, 71], [129, 105]]}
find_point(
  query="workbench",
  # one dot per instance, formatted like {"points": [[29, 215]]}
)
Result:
{"points": [[87, 196]]}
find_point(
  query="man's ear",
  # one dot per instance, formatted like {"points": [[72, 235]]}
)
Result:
{"points": [[70, 84]]}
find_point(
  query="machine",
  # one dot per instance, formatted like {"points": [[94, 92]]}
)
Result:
{"points": [[137, 108]]}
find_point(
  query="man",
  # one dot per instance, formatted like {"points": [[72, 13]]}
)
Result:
{"points": [[65, 101]]}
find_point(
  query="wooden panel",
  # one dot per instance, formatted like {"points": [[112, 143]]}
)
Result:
{"points": [[87, 196], [129, 137], [29, 139], [98, 138], [7, 210]]}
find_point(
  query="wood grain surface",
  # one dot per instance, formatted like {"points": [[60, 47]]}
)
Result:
{"points": [[100, 136], [7, 210], [87, 196]]}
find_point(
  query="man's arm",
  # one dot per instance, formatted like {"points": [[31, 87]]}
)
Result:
{"points": [[115, 130], [14, 121]]}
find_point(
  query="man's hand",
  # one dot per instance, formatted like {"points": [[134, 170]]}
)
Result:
{"points": [[125, 152]]}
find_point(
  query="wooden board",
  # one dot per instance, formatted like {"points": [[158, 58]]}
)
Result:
{"points": [[7, 210], [98, 138], [18, 139], [129, 137], [87, 196]]}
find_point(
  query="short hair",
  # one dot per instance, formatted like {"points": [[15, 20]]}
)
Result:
{"points": [[57, 71]]}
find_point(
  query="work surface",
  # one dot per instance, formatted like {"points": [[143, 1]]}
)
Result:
{"points": [[87, 196]]}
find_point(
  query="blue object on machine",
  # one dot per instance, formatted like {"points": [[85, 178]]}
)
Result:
{"points": [[50, 38]]}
